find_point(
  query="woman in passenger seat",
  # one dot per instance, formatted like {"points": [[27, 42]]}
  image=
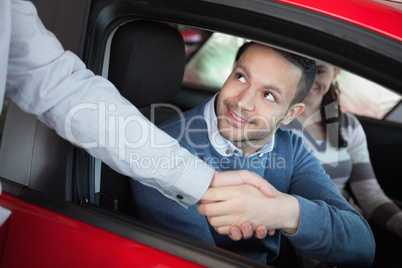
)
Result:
{"points": [[338, 140]]}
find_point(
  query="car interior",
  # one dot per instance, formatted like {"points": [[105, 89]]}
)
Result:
{"points": [[146, 65], [114, 188]]}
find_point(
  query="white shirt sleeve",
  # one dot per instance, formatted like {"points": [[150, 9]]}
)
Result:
{"points": [[55, 85]]}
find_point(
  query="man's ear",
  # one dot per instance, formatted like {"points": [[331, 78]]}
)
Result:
{"points": [[293, 112]]}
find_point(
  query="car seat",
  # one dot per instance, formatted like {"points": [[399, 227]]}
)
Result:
{"points": [[147, 61]]}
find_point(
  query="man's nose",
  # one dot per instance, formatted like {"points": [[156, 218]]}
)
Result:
{"points": [[246, 99]]}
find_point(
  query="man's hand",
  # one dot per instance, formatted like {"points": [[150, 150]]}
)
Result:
{"points": [[247, 232], [239, 177], [234, 205]]}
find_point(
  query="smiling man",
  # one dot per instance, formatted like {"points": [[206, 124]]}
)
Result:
{"points": [[251, 107], [238, 129]]}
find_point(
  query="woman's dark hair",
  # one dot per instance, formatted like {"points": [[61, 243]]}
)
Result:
{"points": [[331, 113]]}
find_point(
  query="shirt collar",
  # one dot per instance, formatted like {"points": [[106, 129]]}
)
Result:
{"points": [[221, 144]]}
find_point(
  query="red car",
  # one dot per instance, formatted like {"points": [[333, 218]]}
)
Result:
{"points": [[70, 210]]}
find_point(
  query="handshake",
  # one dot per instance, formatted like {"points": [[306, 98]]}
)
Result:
{"points": [[241, 204]]}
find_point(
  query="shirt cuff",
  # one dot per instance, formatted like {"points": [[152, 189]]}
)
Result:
{"points": [[192, 184]]}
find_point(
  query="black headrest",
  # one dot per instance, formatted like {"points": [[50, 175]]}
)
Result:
{"points": [[147, 62]]}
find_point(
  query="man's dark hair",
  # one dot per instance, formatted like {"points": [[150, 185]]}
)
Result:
{"points": [[306, 65]]}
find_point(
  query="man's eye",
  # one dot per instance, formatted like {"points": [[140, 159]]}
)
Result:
{"points": [[318, 72], [269, 96], [240, 78]]}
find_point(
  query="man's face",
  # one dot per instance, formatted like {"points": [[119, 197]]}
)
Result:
{"points": [[255, 98]]}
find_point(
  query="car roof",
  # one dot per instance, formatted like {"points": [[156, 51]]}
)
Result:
{"points": [[381, 16], [300, 26]]}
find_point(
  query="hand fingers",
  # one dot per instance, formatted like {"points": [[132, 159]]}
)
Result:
{"points": [[235, 233], [247, 230], [261, 232], [227, 178], [221, 221], [264, 186], [210, 209], [271, 232], [219, 193], [224, 230]]}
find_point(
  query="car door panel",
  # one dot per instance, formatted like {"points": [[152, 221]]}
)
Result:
{"points": [[39, 237], [385, 144]]}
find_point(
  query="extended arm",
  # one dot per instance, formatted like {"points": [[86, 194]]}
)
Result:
{"points": [[45, 80]]}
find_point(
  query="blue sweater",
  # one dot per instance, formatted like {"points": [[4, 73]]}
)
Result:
{"points": [[330, 230]]}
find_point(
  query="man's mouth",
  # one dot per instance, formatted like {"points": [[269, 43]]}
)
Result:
{"points": [[238, 118], [235, 119]]}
